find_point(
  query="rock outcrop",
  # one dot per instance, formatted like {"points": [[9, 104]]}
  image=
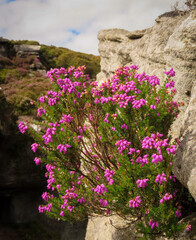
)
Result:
{"points": [[171, 42], [25, 50], [7, 49], [109, 228]]}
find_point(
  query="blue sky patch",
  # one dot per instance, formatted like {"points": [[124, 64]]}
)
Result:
{"points": [[10, 1], [75, 32]]}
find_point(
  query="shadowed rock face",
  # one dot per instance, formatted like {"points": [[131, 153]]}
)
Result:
{"points": [[170, 43], [4, 47], [21, 181]]}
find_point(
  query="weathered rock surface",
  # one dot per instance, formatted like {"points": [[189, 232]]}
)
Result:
{"points": [[185, 162], [25, 50], [108, 228], [171, 42], [111, 228]]}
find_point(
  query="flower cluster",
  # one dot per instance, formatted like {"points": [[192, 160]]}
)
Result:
{"points": [[160, 178], [142, 183], [123, 144], [22, 127], [135, 202], [166, 197], [100, 189], [106, 147], [34, 147], [63, 147], [153, 224], [109, 174]]}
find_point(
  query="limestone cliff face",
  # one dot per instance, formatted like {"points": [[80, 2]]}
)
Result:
{"points": [[171, 42]]}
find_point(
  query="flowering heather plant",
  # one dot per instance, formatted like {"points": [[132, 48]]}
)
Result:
{"points": [[106, 148]]}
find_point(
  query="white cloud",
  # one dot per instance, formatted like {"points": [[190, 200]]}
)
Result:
{"points": [[51, 21]]}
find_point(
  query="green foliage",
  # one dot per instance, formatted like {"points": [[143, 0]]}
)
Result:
{"points": [[25, 93], [20, 42], [21, 83], [119, 128], [54, 57], [3, 74], [5, 62]]}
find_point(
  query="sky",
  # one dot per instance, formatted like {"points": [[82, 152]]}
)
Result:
{"points": [[74, 24]]}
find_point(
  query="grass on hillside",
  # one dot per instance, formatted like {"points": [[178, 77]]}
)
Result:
{"points": [[23, 79]]}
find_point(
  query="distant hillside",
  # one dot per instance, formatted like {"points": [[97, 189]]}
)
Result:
{"points": [[23, 65]]}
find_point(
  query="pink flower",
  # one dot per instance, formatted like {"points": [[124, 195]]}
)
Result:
{"points": [[66, 118], [81, 200], [138, 103], [188, 227], [37, 161], [40, 111], [166, 197], [124, 126], [160, 178], [153, 107], [178, 212], [142, 183], [22, 127], [156, 158], [143, 160], [135, 202], [70, 208], [170, 84], [173, 178], [42, 99], [172, 149], [170, 73], [153, 224], [123, 144], [106, 118], [148, 142], [109, 174], [45, 196], [34, 147], [62, 214], [131, 150], [154, 80], [100, 189], [63, 148], [103, 202]]}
